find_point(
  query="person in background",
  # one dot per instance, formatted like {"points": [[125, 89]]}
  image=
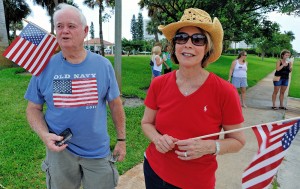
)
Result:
{"points": [[283, 68], [188, 103], [167, 63], [157, 61], [76, 86], [238, 75]]}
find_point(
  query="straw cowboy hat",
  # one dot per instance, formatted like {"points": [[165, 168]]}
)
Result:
{"points": [[200, 19]]}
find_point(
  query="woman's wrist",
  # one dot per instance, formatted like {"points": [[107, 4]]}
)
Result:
{"points": [[217, 147]]}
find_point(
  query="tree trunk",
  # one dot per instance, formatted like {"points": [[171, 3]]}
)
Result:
{"points": [[3, 27], [101, 32], [262, 55], [156, 37], [52, 21]]}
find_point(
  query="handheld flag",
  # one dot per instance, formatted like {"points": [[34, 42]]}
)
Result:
{"points": [[273, 140], [32, 49]]}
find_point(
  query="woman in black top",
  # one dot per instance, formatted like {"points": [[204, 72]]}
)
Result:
{"points": [[283, 69]]}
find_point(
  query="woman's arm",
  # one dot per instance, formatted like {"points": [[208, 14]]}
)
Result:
{"points": [[164, 61], [278, 66], [291, 66], [163, 143], [232, 142], [158, 60], [231, 69], [196, 148]]}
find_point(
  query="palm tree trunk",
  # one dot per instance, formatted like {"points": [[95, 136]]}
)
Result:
{"points": [[3, 27], [101, 32]]}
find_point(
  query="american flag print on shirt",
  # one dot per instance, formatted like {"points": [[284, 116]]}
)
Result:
{"points": [[32, 49], [273, 141], [75, 92]]}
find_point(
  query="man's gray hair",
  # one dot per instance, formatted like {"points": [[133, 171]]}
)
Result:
{"points": [[64, 6]]}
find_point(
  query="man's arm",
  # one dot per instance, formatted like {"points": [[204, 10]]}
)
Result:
{"points": [[35, 117], [118, 116]]}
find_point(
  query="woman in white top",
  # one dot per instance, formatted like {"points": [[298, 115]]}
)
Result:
{"points": [[238, 73], [156, 51]]}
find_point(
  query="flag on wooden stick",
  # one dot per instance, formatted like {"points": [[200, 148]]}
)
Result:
{"points": [[32, 49], [273, 140]]}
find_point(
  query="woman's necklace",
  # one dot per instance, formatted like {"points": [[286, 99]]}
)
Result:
{"points": [[186, 85], [186, 92]]}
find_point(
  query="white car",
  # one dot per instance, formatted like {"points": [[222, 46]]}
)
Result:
{"points": [[107, 51]]}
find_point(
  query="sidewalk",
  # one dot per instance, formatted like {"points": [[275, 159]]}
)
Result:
{"points": [[231, 166]]}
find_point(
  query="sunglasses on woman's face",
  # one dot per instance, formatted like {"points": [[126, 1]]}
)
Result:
{"points": [[198, 39]]}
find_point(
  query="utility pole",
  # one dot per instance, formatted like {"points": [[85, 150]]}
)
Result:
{"points": [[118, 42]]}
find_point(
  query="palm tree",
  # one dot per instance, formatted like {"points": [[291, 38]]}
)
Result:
{"points": [[100, 3], [50, 6], [290, 34], [155, 14], [14, 12], [16, 26], [151, 28], [3, 29]]}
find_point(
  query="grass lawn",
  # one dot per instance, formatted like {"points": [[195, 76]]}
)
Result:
{"points": [[21, 151]]}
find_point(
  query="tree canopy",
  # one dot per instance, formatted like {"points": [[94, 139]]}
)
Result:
{"points": [[101, 4], [239, 18], [50, 5], [15, 10]]}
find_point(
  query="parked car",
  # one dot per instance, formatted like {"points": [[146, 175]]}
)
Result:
{"points": [[107, 51]]}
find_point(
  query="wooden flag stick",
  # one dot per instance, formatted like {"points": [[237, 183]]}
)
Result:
{"points": [[244, 128], [35, 25]]}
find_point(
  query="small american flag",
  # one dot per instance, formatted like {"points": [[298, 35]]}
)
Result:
{"points": [[273, 141], [32, 49], [75, 93]]}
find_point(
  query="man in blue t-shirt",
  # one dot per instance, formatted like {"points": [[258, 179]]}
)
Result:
{"points": [[76, 86]]}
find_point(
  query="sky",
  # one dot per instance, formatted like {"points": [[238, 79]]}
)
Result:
{"points": [[130, 7], [40, 17]]}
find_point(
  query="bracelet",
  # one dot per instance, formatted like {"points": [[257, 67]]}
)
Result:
{"points": [[217, 148], [121, 139]]}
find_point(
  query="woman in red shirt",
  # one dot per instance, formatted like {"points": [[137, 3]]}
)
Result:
{"points": [[188, 103]]}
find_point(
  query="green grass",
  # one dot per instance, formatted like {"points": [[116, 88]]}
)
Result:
{"points": [[257, 69], [21, 151], [294, 90]]}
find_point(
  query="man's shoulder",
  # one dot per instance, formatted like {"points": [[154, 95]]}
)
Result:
{"points": [[98, 57]]}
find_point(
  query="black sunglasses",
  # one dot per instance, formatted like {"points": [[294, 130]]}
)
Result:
{"points": [[198, 39]]}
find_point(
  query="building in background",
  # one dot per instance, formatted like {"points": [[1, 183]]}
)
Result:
{"points": [[240, 45], [148, 36], [94, 45]]}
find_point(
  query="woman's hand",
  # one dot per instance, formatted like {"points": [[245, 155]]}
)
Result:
{"points": [[194, 148], [164, 143]]}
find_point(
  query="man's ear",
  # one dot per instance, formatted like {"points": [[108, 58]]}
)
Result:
{"points": [[86, 30]]}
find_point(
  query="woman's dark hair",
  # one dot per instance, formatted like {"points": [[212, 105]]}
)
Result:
{"points": [[242, 53], [209, 49], [283, 52]]}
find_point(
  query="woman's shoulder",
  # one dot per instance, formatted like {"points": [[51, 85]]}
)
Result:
{"points": [[165, 77], [235, 61]]}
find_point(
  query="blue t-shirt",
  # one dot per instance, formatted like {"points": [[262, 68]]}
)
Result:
{"points": [[76, 96]]}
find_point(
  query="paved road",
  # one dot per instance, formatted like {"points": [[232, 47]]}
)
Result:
{"points": [[231, 166]]}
